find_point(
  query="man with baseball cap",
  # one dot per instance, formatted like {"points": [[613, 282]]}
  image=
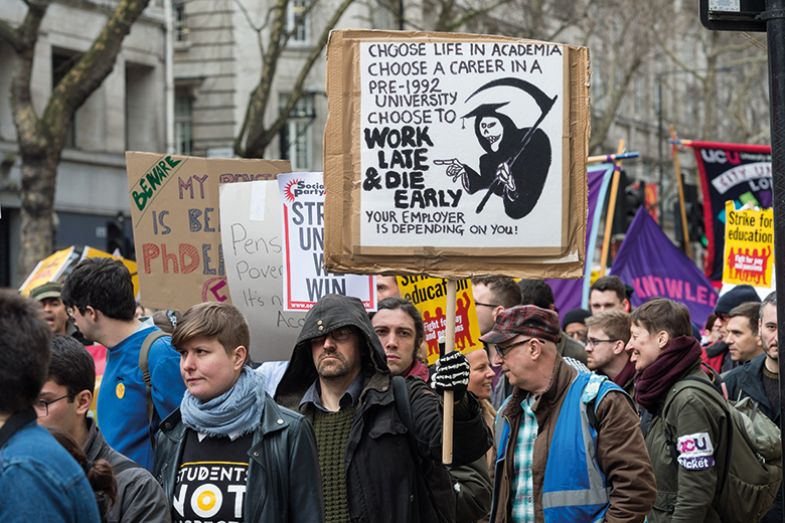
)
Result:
{"points": [[542, 469], [55, 315]]}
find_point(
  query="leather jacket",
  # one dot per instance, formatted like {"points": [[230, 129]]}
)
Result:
{"points": [[283, 471]]}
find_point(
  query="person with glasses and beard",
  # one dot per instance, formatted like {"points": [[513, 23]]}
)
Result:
{"points": [[606, 344], [373, 469]]}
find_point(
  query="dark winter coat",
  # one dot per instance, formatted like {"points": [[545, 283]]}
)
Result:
{"points": [[685, 496], [139, 496], [283, 482], [380, 467], [747, 381]]}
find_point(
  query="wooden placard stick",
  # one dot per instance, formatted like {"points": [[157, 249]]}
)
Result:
{"points": [[685, 231], [606, 239], [449, 346]]}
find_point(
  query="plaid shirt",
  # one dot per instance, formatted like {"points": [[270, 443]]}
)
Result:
{"points": [[522, 485]]}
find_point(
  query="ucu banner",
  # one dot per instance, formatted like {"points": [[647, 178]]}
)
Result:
{"points": [[696, 451], [729, 171]]}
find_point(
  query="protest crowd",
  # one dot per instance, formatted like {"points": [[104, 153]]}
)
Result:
{"points": [[440, 390], [608, 414]]}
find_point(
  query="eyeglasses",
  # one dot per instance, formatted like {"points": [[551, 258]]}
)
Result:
{"points": [[504, 351], [43, 405], [340, 334], [591, 342], [491, 305]]}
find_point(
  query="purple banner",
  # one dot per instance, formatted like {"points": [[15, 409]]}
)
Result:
{"points": [[567, 293], [656, 268]]}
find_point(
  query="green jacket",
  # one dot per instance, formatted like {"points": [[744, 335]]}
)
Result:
{"points": [[685, 496]]}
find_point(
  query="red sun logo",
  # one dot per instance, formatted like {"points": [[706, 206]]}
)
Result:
{"points": [[287, 191]]}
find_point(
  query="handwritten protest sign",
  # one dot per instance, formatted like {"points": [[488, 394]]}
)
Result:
{"points": [[449, 154], [305, 279], [175, 215], [749, 246], [429, 295], [251, 220]]}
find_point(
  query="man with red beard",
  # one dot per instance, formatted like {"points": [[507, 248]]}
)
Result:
{"points": [[759, 379]]}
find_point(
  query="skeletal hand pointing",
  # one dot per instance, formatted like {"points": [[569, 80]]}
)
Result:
{"points": [[455, 168]]}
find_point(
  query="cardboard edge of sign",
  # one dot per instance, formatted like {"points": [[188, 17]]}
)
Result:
{"points": [[342, 176], [159, 290]]}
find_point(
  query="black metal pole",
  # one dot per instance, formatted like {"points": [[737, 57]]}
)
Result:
{"points": [[775, 29]]}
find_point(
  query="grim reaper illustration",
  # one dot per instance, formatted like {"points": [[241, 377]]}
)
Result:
{"points": [[516, 161]]}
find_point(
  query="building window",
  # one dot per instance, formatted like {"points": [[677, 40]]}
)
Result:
{"points": [[183, 122], [295, 136], [297, 21], [181, 30], [62, 62]]}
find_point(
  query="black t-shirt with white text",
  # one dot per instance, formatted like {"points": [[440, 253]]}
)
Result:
{"points": [[211, 480]]}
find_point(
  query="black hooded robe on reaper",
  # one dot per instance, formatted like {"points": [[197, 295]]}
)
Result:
{"points": [[529, 169]]}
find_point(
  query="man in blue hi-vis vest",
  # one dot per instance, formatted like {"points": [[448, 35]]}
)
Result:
{"points": [[569, 446]]}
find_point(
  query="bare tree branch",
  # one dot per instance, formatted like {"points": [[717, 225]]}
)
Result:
{"points": [[31, 139], [9, 35], [248, 18], [41, 140], [255, 135], [93, 66], [471, 14]]}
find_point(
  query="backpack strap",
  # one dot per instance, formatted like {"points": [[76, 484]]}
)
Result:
{"points": [[594, 392], [404, 409], [698, 383], [144, 354]]}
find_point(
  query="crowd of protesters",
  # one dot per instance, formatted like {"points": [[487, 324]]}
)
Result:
{"points": [[562, 416]]}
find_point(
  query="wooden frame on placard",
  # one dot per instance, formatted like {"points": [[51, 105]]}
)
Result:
{"points": [[343, 252]]}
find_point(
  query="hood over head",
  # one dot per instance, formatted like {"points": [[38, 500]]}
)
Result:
{"points": [[331, 312]]}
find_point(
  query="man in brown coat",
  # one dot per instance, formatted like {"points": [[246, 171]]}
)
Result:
{"points": [[548, 430]]}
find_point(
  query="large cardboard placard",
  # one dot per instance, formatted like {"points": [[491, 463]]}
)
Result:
{"points": [[174, 209], [429, 295], [455, 154], [305, 279], [251, 220], [749, 246]]}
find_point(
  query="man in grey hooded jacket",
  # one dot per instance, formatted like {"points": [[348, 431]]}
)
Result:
{"points": [[372, 469]]}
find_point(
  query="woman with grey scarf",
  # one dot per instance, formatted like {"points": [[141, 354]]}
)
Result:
{"points": [[230, 453]]}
